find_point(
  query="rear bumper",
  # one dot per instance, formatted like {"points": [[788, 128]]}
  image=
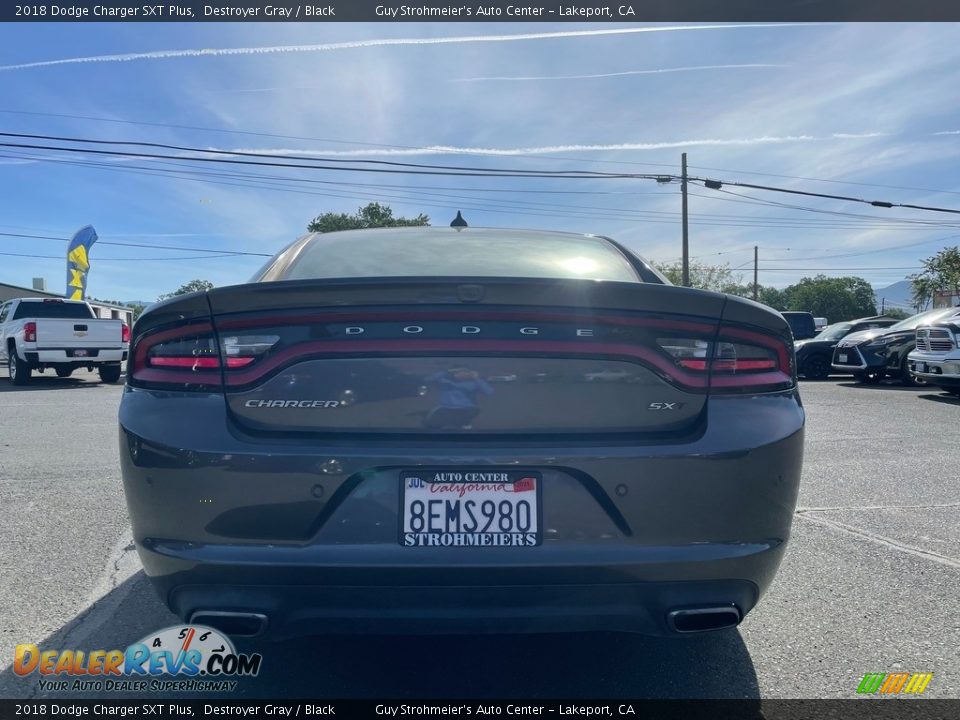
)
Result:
{"points": [[305, 531], [296, 610], [64, 356]]}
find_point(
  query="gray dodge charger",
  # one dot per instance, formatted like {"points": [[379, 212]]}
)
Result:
{"points": [[460, 430]]}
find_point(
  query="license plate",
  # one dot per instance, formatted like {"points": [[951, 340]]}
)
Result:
{"points": [[470, 508], [79, 353], [842, 357]]}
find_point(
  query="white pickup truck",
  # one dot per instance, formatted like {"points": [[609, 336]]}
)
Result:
{"points": [[936, 358], [41, 333]]}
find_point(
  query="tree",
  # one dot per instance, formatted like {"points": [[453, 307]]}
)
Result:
{"points": [[719, 278], [192, 286], [777, 299], [940, 272], [374, 215], [897, 313], [838, 299]]}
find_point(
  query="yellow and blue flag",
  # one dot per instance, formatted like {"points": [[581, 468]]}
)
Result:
{"points": [[78, 262]]}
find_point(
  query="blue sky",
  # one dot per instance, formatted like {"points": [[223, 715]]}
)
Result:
{"points": [[858, 103]]}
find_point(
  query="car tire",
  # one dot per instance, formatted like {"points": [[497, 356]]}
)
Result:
{"points": [[19, 370], [869, 378], [908, 379], [952, 390], [64, 372], [816, 368], [109, 373]]}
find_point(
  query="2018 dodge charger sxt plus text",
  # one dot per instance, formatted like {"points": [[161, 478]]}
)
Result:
{"points": [[401, 430]]}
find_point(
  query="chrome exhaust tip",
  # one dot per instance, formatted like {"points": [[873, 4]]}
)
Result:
{"points": [[231, 623], [694, 620]]}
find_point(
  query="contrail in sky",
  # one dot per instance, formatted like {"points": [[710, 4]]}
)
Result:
{"points": [[385, 42], [453, 150], [622, 73]]}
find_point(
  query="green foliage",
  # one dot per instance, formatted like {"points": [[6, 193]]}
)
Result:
{"points": [[373, 215], [777, 299], [192, 286], [897, 313], [719, 278], [940, 272], [838, 299]]}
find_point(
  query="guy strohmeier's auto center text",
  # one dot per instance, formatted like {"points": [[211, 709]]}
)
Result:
{"points": [[66, 12]]}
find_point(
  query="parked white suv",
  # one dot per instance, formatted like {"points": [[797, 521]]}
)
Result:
{"points": [[41, 333], [937, 357]]}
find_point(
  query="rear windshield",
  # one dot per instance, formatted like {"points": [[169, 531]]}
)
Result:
{"points": [[442, 254], [70, 311]]}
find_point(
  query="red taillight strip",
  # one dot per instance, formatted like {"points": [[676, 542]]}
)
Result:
{"points": [[339, 347], [187, 361], [148, 341], [192, 361]]}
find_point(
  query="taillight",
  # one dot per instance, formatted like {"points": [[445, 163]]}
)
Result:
{"points": [[191, 356], [30, 332], [737, 360], [125, 333]]}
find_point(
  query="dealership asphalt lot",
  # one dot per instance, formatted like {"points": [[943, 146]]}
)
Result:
{"points": [[869, 583]]}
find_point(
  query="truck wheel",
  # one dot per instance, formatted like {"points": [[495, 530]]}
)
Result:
{"points": [[19, 370], [816, 368], [109, 373], [64, 372], [907, 379]]}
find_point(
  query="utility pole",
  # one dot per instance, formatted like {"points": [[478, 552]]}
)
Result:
{"points": [[755, 272], [883, 305], [683, 193]]}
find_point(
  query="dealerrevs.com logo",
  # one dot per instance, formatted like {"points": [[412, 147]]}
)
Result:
{"points": [[177, 658]]}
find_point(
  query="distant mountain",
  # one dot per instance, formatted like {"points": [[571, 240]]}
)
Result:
{"points": [[899, 295]]}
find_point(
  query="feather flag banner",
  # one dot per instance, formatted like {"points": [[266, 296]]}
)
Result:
{"points": [[78, 262]]}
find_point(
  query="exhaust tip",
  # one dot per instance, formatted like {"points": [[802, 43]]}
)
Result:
{"points": [[693, 620], [231, 623]]}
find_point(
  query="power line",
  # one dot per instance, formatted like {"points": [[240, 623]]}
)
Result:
{"points": [[716, 184], [127, 259], [448, 169], [753, 200], [824, 180], [539, 156], [139, 245], [502, 207]]}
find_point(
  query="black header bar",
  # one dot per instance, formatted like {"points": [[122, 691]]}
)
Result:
{"points": [[485, 11], [255, 709]]}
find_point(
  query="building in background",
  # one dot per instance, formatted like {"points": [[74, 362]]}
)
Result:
{"points": [[101, 309], [946, 299]]}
